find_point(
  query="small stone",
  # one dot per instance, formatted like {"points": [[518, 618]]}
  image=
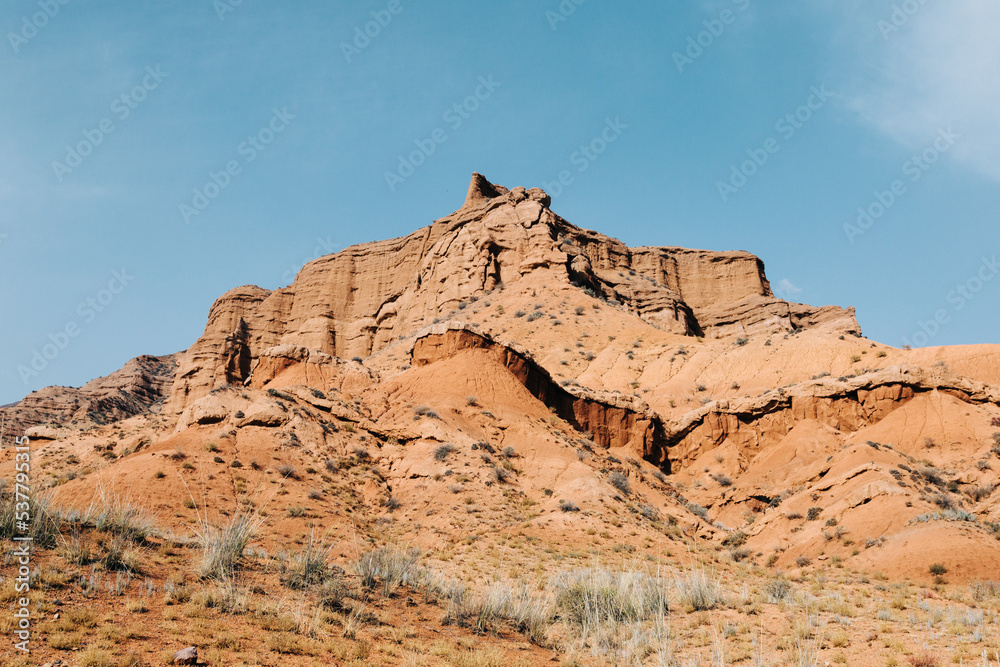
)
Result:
{"points": [[186, 656]]}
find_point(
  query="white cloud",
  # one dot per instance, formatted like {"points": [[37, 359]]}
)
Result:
{"points": [[940, 68], [786, 289]]}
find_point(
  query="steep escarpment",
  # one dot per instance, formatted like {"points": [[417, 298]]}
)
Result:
{"points": [[365, 298]]}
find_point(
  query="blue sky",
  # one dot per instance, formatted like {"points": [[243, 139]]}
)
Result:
{"points": [[113, 115]]}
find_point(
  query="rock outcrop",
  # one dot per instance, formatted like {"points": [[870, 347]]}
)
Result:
{"points": [[139, 386], [366, 297], [846, 405], [609, 419]]}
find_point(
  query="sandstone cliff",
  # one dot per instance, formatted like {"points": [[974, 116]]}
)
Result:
{"points": [[364, 298]]}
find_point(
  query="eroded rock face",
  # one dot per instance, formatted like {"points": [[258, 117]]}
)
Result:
{"points": [[846, 405], [609, 419], [362, 299], [138, 387]]}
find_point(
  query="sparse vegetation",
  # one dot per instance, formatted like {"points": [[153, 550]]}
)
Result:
{"points": [[222, 546], [699, 591], [442, 452], [390, 567], [568, 506], [287, 470], [620, 481]]}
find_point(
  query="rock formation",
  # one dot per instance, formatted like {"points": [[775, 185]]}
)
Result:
{"points": [[360, 300], [504, 352], [140, 386]]}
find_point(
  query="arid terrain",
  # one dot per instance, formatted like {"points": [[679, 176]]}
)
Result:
{"points": [[506, 440]]}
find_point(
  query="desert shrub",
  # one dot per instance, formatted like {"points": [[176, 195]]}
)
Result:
{"points": [[739, 554], [977, 493], [94, 656], [422, 410], [778, 590], [697, 510], [119, 555], [287, 470], [592, 598], [802, 561], [392, 503], [938, 569], [77, 549], [119, 516], [946, 515], [793, 516], [649, 512], [735, 539], [222, 546], [296, 511], [391, 567], [526, 611], [501, 474], [620, 481], [813, 513], [932, 475], [274, 393], [509, 452], [699, 591], [471, 400], [568, 506], [944, 501], [442, 452], [983, 589], [308, 567], [722, 480]]}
